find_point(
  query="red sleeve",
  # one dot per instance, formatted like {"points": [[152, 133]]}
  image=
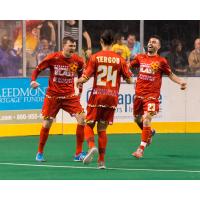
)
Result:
{"points": [[35, 74], [42, 66], [135, 62], [165, 68], [125, 70], [90, 68]]}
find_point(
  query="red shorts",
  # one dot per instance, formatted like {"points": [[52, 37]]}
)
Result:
{"points": [[52, 105], [97, 114], [141, 105]]}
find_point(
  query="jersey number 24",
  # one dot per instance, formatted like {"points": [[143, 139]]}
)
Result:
{"points": [[108, 73]]}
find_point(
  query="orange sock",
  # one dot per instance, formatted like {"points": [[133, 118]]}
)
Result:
{"points": [[44, 133], [89, 136], [102, 142], [150, 136], [79, 138], [146, 132]]}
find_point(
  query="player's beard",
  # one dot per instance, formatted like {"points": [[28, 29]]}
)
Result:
{"points": [[151, 50], [69, 53]]}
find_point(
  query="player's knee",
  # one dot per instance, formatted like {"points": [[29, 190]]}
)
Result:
{"points": [[80, 118], [147, 119], [102, 126], [81, 121], [47, 123]]}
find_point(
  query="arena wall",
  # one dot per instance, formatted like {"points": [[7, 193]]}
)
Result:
{"points": [[20, 108]]}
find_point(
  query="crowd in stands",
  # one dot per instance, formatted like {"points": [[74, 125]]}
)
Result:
{"points": [[10, 59], [181, 61], [40, 41], [177, 58], [194, 58], [41, 37]]}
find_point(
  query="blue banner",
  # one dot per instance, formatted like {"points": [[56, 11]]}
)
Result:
{"points": [[16, 94]]}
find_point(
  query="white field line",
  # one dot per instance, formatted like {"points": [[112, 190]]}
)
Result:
{"points": [[95, 168]]}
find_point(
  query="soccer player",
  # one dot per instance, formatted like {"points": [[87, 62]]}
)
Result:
{"points": [[148, 84], [60, 93], [107, 68]]}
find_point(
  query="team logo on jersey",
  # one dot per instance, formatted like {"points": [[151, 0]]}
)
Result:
{"points": [[155, 66], [73, 67]]}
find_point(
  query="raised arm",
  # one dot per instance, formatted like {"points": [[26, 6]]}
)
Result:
{"points": [[89, 43], [53, 33]]}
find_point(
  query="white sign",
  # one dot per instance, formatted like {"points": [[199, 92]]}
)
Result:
{"points": [[176, 105]]}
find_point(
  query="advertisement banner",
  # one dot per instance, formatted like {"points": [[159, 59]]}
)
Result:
{"points": [[19, 103], [175, 105]]}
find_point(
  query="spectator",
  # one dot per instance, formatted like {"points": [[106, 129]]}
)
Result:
{"points": [[120, 48], [71, 29], [47, 30], [10, 59], [177, 58], [133, 45], [47, 41], [45, 48], [47, 44], [194, 58], [32, 42]]}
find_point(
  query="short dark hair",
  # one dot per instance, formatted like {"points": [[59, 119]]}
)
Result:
{"points": [[68, 38], [131, 34], [118, 37], [157, 37], [107, 37], [174, 44]]}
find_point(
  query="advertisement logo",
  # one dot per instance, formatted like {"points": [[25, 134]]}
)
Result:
{"points": [[16, 94]]}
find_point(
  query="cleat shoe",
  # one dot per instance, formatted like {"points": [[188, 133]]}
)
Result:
{"points": [[79, 157], [89, 157], [138, 153], [40, 157], [101, 165], [153, 132]]}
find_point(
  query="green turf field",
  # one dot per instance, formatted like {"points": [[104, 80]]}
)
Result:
{"points": [[170, 157]]}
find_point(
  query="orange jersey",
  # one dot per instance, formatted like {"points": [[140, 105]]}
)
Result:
{"points": [[107, 68], [62, 72], [149, 79]]}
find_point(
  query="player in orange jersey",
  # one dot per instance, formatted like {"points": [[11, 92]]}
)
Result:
{"points": [[148, 84], [60, 93], [107, 68]]}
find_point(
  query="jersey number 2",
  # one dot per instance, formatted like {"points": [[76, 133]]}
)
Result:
{"points": [[106, 71], [151, 107]]}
